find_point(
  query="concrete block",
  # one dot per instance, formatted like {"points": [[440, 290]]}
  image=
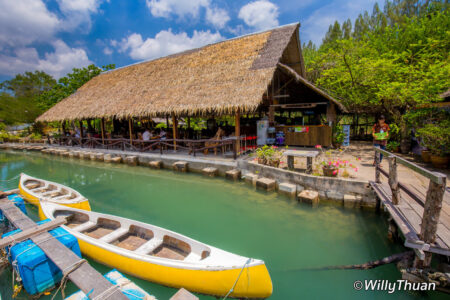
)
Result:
{"points": [[155, 164], [287, 189], [180, 166], [251, 178], [107, 158], [65, 153], [183, 294], [210, 171], [352, 201], [333, 195], [234, 174], [93, 155], [266, 184], [300, 188], [308, 196], [116, 159], [100, 157], [131, 160]]}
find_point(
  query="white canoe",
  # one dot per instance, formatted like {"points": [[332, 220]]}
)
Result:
{"points": [[163, 256], [35, 190]]}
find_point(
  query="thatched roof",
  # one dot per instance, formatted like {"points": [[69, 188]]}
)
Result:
{"points": [[215, 79]]}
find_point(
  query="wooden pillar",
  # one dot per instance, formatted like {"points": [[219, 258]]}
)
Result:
{"points": [[431, 213], [189, 122], [102, 123], [271, 115], [237, 130], [130, 128], [175, 131], [63, 126], [167, 123], [331, 113], [377, 167], [393, 180], [81, 129]]}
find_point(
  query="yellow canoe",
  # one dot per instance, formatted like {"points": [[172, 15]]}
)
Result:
{"points": [[162, 256], [35, 191]]}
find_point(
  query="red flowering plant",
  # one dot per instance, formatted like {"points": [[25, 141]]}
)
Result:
{"points": [[332, 163]]}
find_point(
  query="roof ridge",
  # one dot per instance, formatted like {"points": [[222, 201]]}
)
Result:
{"points": [[193, 49]]}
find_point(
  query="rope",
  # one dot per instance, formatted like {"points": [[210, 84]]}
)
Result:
{"points": [[110, 291], [11, 179], [66, 273], [237, 279]]}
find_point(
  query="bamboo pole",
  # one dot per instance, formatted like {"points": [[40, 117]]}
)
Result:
{"points": [[175, 131], [130, 128], [102, 123], [237, 130]]}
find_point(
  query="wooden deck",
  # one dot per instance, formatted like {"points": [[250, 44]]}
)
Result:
{"points": [[408, 217], [84, 276]]}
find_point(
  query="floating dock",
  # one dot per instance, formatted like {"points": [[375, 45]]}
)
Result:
{"points": [[77, 270]]}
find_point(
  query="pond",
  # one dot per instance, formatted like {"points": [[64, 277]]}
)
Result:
{"points": [[290, 237]]}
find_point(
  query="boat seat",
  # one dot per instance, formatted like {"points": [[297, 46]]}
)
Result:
{"points": [[149, 246], [60, 197], [192, 257], [84, 226], [114, 235]]}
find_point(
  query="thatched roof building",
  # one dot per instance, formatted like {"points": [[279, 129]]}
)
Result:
{"points": [[217, 79]]}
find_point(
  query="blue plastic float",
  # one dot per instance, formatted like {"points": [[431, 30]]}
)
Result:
{"points": [[37, 271]]}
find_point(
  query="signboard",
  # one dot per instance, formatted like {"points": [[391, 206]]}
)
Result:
{"points": [[346, 129], [302, 129]]}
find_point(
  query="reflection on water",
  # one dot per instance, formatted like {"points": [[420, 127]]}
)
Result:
{"points": [[288, 236]]}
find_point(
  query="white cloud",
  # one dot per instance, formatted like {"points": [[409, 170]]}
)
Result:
{"points": [[316, 25], [188, 8], [107, 51], [57, 63], [217, 16], [165, 42], [25, 21], [181, 8], [261, 14], [78, 13]]}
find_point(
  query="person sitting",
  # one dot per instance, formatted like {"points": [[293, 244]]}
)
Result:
{"points": [[162, 134], [146, 135]]}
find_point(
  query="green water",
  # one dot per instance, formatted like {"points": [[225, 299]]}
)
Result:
{"points": [[287, 235]]}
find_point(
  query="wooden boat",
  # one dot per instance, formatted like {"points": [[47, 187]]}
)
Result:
{"points": [[162, 256], [36, 190]]}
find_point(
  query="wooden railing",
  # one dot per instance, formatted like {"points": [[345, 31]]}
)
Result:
{"points": [[432, 203], [163, 145]]}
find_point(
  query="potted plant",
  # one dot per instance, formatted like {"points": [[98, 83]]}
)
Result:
{"points": [[426, 155], [338, 136], [393, 146], [436, 137], [269, 155]]}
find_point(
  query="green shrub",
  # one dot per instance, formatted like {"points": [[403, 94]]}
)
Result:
{"points": [[436, 137]]}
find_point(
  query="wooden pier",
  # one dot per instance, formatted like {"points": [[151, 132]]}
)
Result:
{"points": [[423, 216], [82, 274]]}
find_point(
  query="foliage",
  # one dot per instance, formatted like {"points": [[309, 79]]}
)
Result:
{"points": [[29, 84], [392, 146], [391, 62], [161, 125], [269, 155], [69, 84], [436, 137], [338, 134]]}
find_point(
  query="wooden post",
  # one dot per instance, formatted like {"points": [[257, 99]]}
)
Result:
{"points": [[102, 123], [189, 122], [237, 131], [377, 167], [431, 213], [81, 129], [130, 128], [167, 122], [175, 131], [393, 180]]}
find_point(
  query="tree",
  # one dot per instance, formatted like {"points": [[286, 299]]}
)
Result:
{"points": [[29, 84], [69, 84], [394, 61]]}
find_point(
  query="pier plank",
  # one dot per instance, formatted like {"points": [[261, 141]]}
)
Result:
{"points": [[84, 276], [408, 217]]}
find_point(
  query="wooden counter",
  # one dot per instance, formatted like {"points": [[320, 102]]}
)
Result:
{"points": [[316, 135]]}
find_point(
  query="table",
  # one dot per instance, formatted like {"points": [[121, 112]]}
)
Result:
{"points": [[291, 154]]}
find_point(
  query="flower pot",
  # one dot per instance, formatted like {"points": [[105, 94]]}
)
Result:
{"points": [[261, 161], [426, 156], [330, 171], [440, 162], [337, 145]]}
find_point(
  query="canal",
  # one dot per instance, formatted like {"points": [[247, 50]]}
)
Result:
{"points": [[290, 237]]}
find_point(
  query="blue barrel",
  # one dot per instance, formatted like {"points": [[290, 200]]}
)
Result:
{"points": [[37, 271], [18, 201]]}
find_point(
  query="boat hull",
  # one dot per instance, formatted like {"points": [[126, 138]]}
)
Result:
{"points": [[35, 201], [254, 282]]}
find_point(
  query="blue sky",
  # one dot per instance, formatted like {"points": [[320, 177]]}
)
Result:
{"points": [[56, 35]]}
